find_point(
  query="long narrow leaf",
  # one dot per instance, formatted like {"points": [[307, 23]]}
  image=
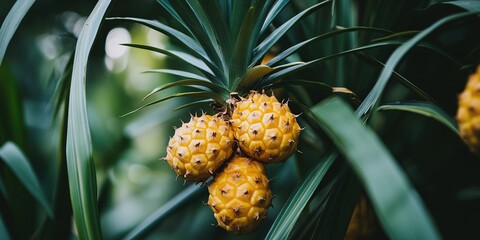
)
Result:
{"points": [[185, 40], [187, 82], [397, 204], [201, 94], [11, 23], [264, 46], [241, 52], [404, 81], [300, 45], [20, 166], [472, 6], [274, 11], [396, 56], [297, 201], [179, 73], [81, 169], [298, 67], [185, 57], [423, 108]]}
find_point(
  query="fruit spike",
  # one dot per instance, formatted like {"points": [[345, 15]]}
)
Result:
{"points": [[265, 128], [468, 114], [200, 147], [240, 195]]}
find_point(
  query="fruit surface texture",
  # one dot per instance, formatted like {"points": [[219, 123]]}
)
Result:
{"points": [[265, 128], [468, 114], [240, 195], [199, 147]]}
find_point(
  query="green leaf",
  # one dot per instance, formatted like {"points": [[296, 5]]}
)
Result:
{"points": [[274, 11], [293, 49], [177, 202], [423, 108], [185, 57], [220, 25], [179, 73], [397, 204], [195, 103], [170, 9], [201, 94], [264, 46], [241, 52], [472, 6], [210, 44], [297, 201], [405, 82], [3, 230], [394, 59], [291, 68], [254, 74], [187, 82], [11, 22], [18, 163], [81, 169]]}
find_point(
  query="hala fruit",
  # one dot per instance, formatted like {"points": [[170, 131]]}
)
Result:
{"points": [[240, 195], [468, 114], [199, 147], [265, 128]]}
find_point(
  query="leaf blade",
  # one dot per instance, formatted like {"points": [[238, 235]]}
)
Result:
{"points": [[11, 23], [297, 201], [18, 163], [397, 204], [425, 109], [80, 166]]}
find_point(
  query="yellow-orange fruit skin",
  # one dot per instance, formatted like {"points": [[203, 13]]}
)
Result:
{"points": [[468, 113], [265, 128], [240, 195], [199, 147]]}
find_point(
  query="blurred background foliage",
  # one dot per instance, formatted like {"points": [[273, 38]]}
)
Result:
{"points": [[132, 183]]}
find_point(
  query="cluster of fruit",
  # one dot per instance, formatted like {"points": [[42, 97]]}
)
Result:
{"points": [[254, 130]]}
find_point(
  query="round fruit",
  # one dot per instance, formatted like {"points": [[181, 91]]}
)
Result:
{"points": [[199, 147], [240, 195], [265, 128], [468, 114]]}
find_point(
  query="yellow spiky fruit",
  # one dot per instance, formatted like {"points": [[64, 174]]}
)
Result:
{"points": [[468, 113], [265, 128], [200, 147], [240, 195]]}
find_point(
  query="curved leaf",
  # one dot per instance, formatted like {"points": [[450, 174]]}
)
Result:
{"points": [[394, 59], [297, 67], [264, 46], [187, 82], [11, 22], [179, 73], [423, 108], [192, 104], [274, 11], [472, 6], [405, 82], [282, 55], [185, 40], [397, 204], [81, 169], [297, 201], [185, 57], [18, 163], [202, 94], [254, 74]]}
